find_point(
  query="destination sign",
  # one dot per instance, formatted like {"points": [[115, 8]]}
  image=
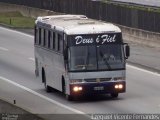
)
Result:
{"points": [[95, 39]]}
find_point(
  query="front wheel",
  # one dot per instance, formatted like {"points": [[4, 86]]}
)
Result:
{"points": [[114, 95], [69, 97]]}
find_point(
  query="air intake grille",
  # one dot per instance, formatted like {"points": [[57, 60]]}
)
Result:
{"points": [[98, 80]]}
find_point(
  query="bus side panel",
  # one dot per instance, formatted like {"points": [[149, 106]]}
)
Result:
{"points": [[55, 70], [53, 65]]}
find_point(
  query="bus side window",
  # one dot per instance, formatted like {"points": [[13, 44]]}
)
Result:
{"points": [[39, 42], [49, 39], [60, 43], [54, 40], [47, 34], [44, 37]]}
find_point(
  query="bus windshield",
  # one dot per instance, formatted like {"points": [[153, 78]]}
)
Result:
{"points": [[92, 52], [96, 57]]}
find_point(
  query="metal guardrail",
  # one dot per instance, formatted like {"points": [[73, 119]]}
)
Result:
{"points": [[145, 3], [135, 4], [110, 12]]}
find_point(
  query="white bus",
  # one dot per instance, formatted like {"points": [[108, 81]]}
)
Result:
{"points": [[80, 56]]}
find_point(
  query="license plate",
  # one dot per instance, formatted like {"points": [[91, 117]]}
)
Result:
{"points": [[99, 88]]}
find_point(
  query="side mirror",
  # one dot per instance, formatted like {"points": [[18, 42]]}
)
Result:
{"points": [[127, 50]]}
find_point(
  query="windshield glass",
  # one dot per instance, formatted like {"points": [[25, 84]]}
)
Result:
{"points": [[110, 57], [91, 52], [96, 57], [83, 58]]}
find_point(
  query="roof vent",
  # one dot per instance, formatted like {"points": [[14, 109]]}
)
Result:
{"points": [[86, 22], [75, 17], [42, 18], [66, 19]]}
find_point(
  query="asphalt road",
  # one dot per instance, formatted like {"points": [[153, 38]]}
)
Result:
{"points": [[155, 3], [17, 64]]}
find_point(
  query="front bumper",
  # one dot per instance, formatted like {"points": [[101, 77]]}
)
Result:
{"points": [[98, 88]]}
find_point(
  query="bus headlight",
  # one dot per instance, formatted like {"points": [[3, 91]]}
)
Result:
{"points": [[118, 86], [77, 88]]}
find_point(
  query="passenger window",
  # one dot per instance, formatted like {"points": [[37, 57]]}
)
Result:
{"points": [[44, 38], [36, 35], [60, 43], [54, 36], [39, 36], [49, 39]]}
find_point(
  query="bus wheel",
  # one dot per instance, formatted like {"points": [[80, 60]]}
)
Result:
{"points": [[68, 97], [48, 88], [114, 95]]}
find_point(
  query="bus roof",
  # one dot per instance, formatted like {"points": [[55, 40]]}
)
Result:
{"points": [[76, 24]]}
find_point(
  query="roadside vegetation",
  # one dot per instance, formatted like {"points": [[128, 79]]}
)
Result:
{"points": [[16, 20]]}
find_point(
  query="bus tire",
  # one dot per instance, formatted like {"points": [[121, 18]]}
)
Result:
{"points": [[114, 95], [48, 88], [68, 97]]}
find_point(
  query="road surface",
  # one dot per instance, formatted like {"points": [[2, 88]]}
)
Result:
{"points": [[155, 3], [17, 64]]}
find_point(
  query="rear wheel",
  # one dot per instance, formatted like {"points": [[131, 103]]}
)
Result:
{"points": [[114, 95], [48, 88]]}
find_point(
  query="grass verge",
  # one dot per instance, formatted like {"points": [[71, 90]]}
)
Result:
{"points": [[16, 20]]}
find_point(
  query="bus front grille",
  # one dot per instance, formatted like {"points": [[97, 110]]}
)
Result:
{"points": [[98, 80]]}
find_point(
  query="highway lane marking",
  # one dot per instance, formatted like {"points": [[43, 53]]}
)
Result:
{"points": [[3, 49], [42, 96], [10, 30], [143, 70], [32, 59]]}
